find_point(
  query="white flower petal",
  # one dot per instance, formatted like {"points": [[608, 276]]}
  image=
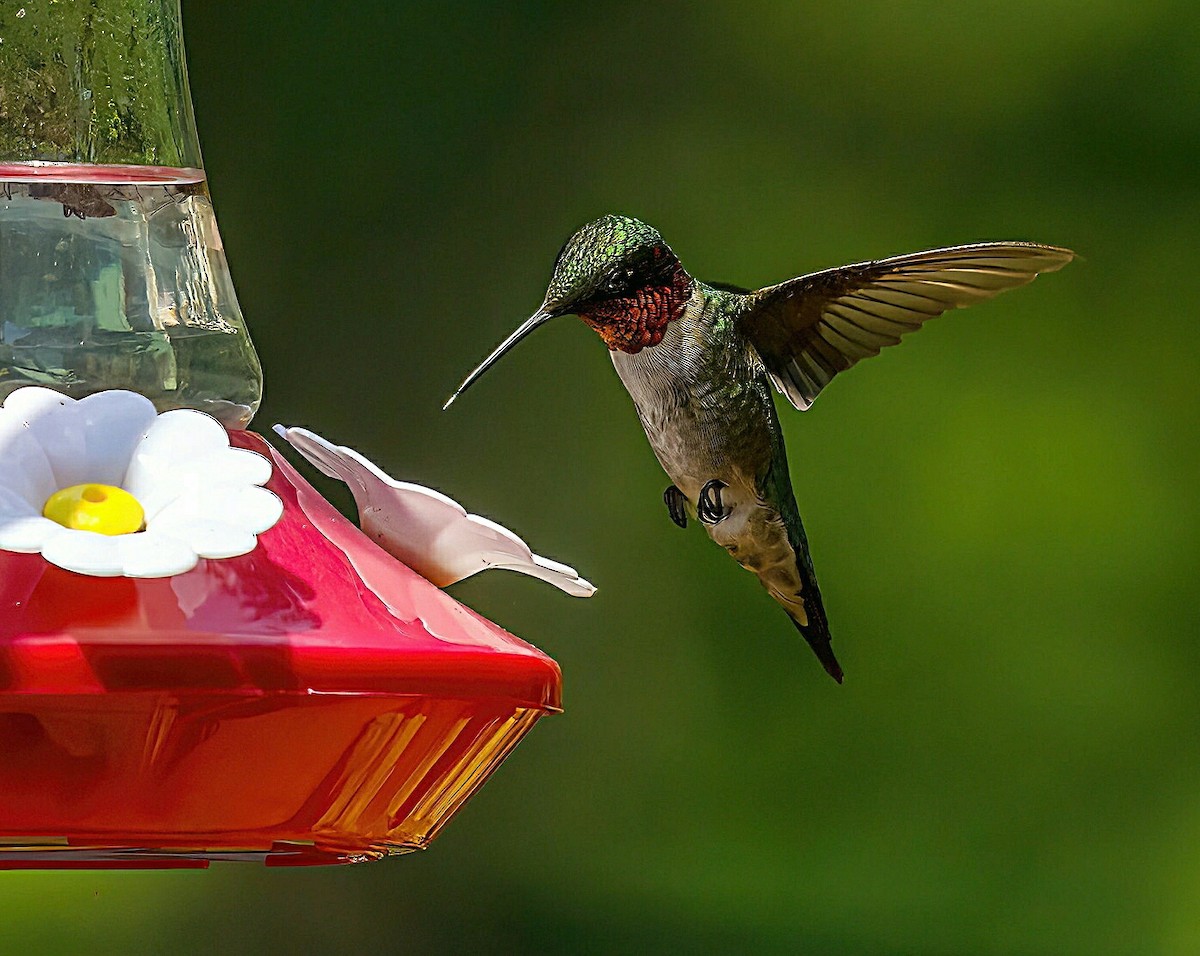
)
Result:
{"points": [[182, 435], [232, 466], [13, 505], [151, 555], [252, 509], [85, 552], [209, 538], [49, 419], [159, 470], [27, 535], [90, 440], [24, 467], [113, 423], [34, 400]]}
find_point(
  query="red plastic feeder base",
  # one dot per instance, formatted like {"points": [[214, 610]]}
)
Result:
{"points": [[314, 701]]}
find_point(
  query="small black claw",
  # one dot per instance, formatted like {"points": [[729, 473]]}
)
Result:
{"points": [[676, 505], [708, 507]]}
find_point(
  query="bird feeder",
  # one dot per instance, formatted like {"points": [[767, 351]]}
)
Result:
{"points": [[200, 658]]}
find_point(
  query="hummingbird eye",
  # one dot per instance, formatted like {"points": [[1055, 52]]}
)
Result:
{"points": [[619, 281]]}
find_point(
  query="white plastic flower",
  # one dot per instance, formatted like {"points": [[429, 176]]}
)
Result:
{"points": [[162, 491]]}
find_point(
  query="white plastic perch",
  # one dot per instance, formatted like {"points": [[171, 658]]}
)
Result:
{"points": [[432, 534]]}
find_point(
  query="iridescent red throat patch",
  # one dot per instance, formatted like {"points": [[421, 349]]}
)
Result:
{"points": [[635, 322]]}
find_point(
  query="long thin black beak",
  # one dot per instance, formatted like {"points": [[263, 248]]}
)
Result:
{"points": [[540, 316]]}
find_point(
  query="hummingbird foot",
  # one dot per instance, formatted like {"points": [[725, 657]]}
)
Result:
{"points": [[709, 508], [676, 505]]}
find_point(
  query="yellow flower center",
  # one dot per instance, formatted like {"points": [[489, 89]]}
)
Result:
{"points": [[104, 509]]}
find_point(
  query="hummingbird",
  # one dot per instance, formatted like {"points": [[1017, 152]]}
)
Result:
{"points": [[699, 360]]}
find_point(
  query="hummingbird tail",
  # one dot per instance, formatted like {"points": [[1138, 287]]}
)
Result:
{"points": [[813, 624], [818, 640], [807, 609], [784, 567]]}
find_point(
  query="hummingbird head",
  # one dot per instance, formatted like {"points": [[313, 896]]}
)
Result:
{"points": [[619, 276], [622, 279]]}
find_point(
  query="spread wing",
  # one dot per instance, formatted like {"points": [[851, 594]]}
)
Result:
{"points": [[808, 329]]}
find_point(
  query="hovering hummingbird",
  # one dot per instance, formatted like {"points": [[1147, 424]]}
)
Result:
{"points": [[696, 358]]}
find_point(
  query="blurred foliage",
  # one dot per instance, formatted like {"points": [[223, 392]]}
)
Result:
{"points": [[1003, 510]]}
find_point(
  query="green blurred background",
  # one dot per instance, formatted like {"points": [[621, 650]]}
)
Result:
{"points": [[1003, 511]]}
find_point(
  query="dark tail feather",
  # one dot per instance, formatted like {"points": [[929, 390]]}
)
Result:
{"points": [[809, 618], [816, 629], [818, 640]]}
